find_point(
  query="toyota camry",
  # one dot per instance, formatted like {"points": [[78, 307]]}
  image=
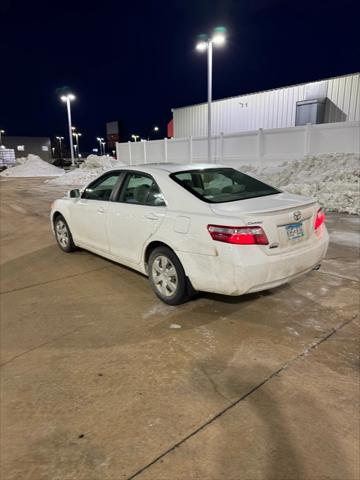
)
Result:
{"points": [[192, 228]]}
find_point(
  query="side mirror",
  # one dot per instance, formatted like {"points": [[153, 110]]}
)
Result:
{"points": [[75, 193]]}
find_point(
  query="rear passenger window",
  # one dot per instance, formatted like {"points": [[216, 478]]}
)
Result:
{"points": [[141, 189]]}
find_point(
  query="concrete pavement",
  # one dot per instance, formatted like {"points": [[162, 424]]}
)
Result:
{"points": [[101, 381]]}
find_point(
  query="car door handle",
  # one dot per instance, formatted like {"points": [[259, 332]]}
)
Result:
{"points": [[152, 216], [101, 210]]}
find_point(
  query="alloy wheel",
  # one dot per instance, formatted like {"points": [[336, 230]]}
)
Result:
{"points": [[164, 276], [62, 233]]}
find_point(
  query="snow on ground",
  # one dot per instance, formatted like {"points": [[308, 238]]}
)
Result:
{"points": [[92, 166], [331, 178], [20, 160], [32, 166]]}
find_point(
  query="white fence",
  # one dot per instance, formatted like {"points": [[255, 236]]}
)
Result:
{"points": [[275, 145]]}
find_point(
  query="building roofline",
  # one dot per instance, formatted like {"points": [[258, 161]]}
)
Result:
{"points": [[265, 91]]}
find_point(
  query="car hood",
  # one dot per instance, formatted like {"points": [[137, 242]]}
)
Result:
{"points": [[266, 204]]}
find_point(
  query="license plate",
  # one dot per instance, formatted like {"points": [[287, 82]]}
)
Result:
{"points": [[295, 231]]}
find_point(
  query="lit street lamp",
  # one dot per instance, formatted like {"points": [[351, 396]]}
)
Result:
{"points": [[60, 147], [77, 135], [155, 130], [67, 99], [206, 43], [135, 137], [103, 145], [1, 133], [100, 140]]}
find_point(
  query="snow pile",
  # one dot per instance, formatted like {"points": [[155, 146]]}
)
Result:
{"points": [[94, 161], [331, 178], [92, 167], [20, 160], [32, 166]]}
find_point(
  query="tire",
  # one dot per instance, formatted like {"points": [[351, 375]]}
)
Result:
{"points": [[173, 288], [63, 235]]}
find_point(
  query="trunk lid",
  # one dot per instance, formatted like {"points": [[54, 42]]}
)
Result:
{"points": [[287, 219]]}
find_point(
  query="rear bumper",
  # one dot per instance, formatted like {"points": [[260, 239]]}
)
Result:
{"points": [[239, 270]]}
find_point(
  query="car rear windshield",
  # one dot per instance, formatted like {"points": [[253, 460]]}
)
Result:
{"points": [[220, 185]]}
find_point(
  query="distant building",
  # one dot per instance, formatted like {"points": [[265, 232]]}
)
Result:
{"points": [[40, 146], [326, 101], [113, 134]]}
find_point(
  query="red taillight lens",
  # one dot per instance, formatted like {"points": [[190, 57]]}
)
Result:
{"points": [[320, 218], [238, 235]]}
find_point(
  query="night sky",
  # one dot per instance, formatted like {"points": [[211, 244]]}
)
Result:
{"points": [[134, 61]]}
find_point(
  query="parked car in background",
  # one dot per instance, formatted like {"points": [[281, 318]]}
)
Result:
{"points": [[194, 228], [62, 162]]}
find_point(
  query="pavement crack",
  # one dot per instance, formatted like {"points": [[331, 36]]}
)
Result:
{"points": [[214, 385], [40, 346], [51, 281], [324, 272], [277, 372]]}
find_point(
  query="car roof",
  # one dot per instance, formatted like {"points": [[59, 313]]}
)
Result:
{"points": [[175, 167]]}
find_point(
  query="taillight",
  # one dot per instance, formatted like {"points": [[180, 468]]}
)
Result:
{"points": [[238, 235], [320, 218]]}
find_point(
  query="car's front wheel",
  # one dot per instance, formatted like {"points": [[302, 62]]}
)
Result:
{"points": [[167, 277], [63, 235]]}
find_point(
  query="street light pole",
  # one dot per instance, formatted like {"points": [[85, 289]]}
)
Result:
{"points": [[1, 133], [77, 135], [100, 140], [67, 99], [206, 43], [209, 86], [60, 146]]}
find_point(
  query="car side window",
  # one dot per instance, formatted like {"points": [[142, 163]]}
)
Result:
{"points": [[101, 189], [141, 189]]}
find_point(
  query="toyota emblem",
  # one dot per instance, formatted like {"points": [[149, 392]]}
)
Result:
{"points": [[297, 215]]}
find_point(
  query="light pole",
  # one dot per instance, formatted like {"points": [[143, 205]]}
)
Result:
{"points": [[1, 133], [67, 99], [206, 43], [77, 135], [103, 145], [100, 140], [60, 146], [155, 130], [135, 137]]}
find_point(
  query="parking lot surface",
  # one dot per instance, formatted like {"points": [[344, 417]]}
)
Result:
{"points": [[101, 381]]}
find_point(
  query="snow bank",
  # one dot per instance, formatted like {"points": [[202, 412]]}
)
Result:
{"points": [[331, 178], [20, 160], [92, 166], [32, 166]]}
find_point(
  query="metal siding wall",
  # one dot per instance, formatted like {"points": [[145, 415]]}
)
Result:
{"points": [[343, 95], [270, 109]]}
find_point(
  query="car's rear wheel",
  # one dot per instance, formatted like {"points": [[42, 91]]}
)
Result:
{"points": [[63, 235], [167, 276]]}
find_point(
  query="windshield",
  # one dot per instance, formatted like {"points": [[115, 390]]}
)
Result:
{"points": [[220, 185]]}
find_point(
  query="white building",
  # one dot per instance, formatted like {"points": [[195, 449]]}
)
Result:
{"points": [[326, 101]]}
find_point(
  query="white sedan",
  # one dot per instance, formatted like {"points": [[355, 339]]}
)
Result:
{"points": [[191, 228]]}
